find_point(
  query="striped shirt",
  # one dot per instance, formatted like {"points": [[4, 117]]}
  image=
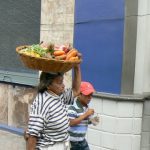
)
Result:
{"points": [[77, 132], [48, 119]]}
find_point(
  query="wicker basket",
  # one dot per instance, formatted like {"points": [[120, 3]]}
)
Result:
{"points": [[45, 64]]}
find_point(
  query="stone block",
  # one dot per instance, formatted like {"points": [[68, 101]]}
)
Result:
{"points": [[3, 103]]}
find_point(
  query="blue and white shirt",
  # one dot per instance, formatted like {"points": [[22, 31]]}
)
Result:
{"points": [[48, 119], [77, 132]]}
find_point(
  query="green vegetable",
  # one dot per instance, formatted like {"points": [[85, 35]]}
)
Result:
{"points": [[39, 50]]}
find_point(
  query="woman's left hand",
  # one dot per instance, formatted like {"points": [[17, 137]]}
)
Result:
{"points": [[79, 55], [26, 135]]}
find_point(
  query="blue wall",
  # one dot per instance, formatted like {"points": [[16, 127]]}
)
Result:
{"points": [[98, 35]]}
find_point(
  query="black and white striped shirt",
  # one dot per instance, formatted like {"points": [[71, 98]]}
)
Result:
{"points": [[48, 119]]}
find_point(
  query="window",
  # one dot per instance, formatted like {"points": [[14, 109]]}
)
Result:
{"points": [[19, 25]]}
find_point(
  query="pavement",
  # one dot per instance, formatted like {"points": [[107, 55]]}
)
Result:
{"points": [[11, 141]]}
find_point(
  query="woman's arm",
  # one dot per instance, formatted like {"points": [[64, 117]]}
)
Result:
{"points": [[76, 81], [31, 143]]}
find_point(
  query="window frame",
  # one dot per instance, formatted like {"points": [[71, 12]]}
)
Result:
{"points": [[19, 78]]}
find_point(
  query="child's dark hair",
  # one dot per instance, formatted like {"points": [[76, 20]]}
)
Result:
{"points": [[46, 79]]}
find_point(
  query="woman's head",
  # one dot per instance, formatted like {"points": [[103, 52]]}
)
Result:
{"points": [[52, 82]]}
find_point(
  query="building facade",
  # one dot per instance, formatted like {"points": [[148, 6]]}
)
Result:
{"points": [[123, 104]]}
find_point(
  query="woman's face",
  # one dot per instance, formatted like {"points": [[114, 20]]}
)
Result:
{"points": [[57, 85]]}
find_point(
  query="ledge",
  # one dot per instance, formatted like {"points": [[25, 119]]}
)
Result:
{"points": [[119, 97], [18, 131]]}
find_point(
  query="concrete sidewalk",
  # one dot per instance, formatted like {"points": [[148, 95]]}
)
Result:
{"points": [[10, 141]]}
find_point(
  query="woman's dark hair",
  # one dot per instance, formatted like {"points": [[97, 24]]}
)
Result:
{"points": [[46, 79]]}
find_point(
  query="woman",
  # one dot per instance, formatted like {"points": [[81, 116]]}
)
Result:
{"points": [[48, 122]]}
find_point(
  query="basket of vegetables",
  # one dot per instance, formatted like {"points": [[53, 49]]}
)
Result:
{"points": [[48, 57]]}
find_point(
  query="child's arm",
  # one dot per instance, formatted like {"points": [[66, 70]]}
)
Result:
{"points": [[76, 121]]}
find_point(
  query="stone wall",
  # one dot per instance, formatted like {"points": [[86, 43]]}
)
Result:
{"points": [[136, 48], [14, 100], [57, 21], [145, 141], [57, 24], [120, 125]]}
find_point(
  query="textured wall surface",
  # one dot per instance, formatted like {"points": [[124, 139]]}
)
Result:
{"points": [[120, 125], [57, 24], [14, 102], [145, 141], [142, 74], [136, 70], [57, 21]]}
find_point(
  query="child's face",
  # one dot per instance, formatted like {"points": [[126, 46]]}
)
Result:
{"points": [[85, 99]]}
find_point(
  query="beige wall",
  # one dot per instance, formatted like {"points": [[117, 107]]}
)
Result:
{"points": [[57, 24], [120, 123], [142, 63], [136, 56], [57, 21], [14, 104]]}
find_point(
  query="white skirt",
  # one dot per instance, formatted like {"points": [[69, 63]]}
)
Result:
{"points": [[58, 146]]}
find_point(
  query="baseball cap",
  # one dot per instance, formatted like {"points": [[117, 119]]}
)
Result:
{"points": [[86, 88]]}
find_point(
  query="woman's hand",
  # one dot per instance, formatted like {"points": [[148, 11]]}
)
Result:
{"points": [[31, 143], [26, 135], [79, 55]]}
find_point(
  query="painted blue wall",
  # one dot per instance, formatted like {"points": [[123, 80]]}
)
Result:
{"points": [[98, 35]]}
